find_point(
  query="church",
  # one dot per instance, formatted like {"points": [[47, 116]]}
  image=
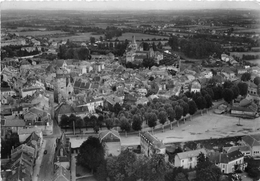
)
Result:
{"points": [[136, 54]]}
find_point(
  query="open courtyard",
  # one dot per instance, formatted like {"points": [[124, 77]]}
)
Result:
{"points": [[203, 127]]}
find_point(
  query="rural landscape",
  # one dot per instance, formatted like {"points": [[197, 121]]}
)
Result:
{"points": [[130, 93]]}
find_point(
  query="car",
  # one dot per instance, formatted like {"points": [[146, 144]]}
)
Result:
{"points": [[45, 152]]}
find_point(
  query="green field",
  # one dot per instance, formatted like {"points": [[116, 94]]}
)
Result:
{"points": [[257, 30], [39, 33], [78, 37], [139, 36]]}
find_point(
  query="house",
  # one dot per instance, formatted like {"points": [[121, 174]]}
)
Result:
{"points": [[151, 145], [245, 108], [23, 148], [61, 174], [195, 86], [11, 123], [62, 155], [252, 89], [245, 150], [112, 141], [188, 159], [21, 164], [29, 91], [7, 91], [228, 162], [34, 141], [24, 133], [253, 141]]}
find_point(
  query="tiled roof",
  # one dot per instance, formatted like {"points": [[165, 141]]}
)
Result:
{"points": [[228, 157], [152, 140], [65, 109], [234, 148], [252, 140], [61, 174], [192, 153], [13, 122], [103, 134]]}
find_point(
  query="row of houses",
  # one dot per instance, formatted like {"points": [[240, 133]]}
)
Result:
{"points": [[228, 160], [20, 165]]}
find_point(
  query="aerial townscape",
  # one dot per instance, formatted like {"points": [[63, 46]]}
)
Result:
{"points": [[130, 92]]}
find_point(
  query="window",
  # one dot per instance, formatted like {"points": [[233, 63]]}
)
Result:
{"points": [[190, 159], [182, 161], [223, 166]]}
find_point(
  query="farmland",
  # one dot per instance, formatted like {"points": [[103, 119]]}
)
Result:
{"points": [[139, 36], [39, 33], [78, 37], [256, 30]]}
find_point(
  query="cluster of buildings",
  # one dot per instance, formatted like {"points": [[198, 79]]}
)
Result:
{"points": [[22, 162], [229, 159]]}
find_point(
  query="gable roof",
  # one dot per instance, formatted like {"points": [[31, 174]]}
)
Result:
{"points": [[192, 153], [158, 144], [103, 134], [234, 148], [61, 174], [231, 156], [252, 140]]}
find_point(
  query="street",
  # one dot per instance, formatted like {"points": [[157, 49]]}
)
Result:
{"points": [[46, 166]]}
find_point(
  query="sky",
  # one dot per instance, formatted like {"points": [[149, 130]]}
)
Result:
{"points": [[130, 5]]}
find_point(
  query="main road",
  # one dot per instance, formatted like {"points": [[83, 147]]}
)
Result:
{"points": [[46, 171]]}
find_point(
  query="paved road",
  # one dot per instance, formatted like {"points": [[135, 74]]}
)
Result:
{"points": [[46, 169]]}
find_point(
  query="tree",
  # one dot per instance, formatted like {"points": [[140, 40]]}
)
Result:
{"points": [[208, 101], [178, 113], [72, 121], [137, 123], [156, 168], [91, 154], [92, 40], [228, 84], [243, 88], [205, 170], [246, 76], [117, 108], [86, 121], [79, 123], [152, 120], [235, 91], [171, 115], [64, 121], [162, 116], [109, 123], [228, 95], [124, 125], [257, 80], [185, 108], [192, 107], [201, 103], [102, 173]]}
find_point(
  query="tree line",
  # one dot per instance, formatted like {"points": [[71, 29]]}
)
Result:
{"points": [[127, 166], [195, 47]]}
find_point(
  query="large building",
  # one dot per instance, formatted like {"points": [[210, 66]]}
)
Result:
{"points": [[151, 145], [63, 87], [136, 54]]}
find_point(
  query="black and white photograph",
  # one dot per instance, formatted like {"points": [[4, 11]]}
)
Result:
{"points": [[130, 90]]}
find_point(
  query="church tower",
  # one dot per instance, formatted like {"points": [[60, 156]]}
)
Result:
{"points": [[134, 44], [60, 85]]}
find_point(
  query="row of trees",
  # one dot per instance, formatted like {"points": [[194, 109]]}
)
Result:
{"points": [[128, 166], [80, 53], [195, 48]]}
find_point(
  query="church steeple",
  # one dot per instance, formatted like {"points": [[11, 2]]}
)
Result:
{"points": [[133, 40]]}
